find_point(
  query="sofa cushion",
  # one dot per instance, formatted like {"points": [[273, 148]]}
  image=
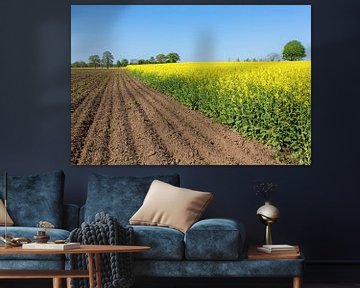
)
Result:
{"points": [[35, 198], [214, 239], [29, 232], [169, 206], [9, 221], [165, 243], [119, 196]]}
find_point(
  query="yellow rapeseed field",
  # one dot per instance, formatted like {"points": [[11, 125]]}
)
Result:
{"points": [[268, 101]]}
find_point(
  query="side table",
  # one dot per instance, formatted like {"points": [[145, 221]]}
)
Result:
{"points": [[255, 255], [93, 251]]}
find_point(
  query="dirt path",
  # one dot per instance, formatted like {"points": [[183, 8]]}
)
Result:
{"points": [[117, 120]]}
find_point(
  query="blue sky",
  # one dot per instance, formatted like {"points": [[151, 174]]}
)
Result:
{"points": [[195, 32]]}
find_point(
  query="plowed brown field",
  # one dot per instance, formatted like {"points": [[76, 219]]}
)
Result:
{"points": [[117, 120]]}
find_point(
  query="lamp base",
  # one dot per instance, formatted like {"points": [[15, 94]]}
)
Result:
{"points": [[268, 237]]}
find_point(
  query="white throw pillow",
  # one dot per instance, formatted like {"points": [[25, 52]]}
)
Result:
{"points": [[170, 206]]}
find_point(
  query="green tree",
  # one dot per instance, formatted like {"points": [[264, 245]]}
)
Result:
{"points": [[107, 59], [79, 64], [152, 59], [293, 51], [94, 60], [172, 57], [124, 62], [118, 64], [161, 58]]}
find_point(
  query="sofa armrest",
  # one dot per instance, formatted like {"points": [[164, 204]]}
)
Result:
{"points": [[215, 239], [71, 216]]}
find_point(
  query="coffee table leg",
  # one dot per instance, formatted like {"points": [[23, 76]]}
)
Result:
{"points": [[91, 270], [98, 270], [57, 283], [68, 282], [297, 282]]}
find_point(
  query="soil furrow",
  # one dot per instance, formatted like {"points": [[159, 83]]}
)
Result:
{"points": [[81, 120], [121, 145], [80, 93], [95, 149], [154, 151], [173, 134]]}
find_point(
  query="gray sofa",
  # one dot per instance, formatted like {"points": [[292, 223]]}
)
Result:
{"points": [[210, 248]]}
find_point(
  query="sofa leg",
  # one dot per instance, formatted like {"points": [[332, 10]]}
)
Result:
{"points": [[57, 283], [297, 282]]}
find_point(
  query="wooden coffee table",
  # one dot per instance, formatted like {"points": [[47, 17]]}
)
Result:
{"points": [[92, 251]]}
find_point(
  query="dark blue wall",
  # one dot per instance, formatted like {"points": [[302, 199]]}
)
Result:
{"points": [[318, 203]]}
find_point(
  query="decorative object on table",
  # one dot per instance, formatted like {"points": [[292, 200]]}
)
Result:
{"points": [[41, 236], [116, 268], [268, 213], [59, 241], [11, 241], [255, 254]]}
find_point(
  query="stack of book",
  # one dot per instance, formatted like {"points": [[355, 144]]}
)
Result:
{"points": [[279, 249], [51, 246], [274, 252]]}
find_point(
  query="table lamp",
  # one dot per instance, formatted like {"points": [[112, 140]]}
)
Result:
{"points": [[268, 214]]}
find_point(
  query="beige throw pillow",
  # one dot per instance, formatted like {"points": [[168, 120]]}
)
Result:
{"points": [[9, 221], [170, 206]]}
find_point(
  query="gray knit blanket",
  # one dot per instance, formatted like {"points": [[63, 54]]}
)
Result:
{"points": [[116, 268]]}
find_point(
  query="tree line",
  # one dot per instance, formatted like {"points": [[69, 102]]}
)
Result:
{"points": [[292, 51], [107, 60]]}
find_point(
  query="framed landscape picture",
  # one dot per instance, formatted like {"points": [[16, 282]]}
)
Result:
{"points": [[191, 84]]}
